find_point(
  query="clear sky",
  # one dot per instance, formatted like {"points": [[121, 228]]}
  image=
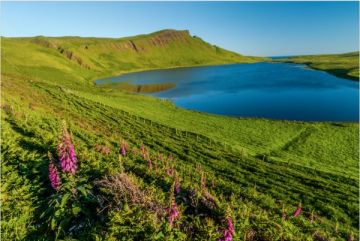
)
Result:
{"points": [[251, 28]]}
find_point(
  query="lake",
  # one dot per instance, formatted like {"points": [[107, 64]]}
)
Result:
{"points": [[268, 90]]}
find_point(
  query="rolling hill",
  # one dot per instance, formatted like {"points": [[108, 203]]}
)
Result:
{"points": [[147, 170], [341, 65], [107, 57]]}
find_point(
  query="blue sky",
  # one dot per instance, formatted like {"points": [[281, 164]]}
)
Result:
{"points": [[251, 28]]}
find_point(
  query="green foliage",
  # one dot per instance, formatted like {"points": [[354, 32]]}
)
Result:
{"points": [[72, 208], [259, 169], [133, 224]]}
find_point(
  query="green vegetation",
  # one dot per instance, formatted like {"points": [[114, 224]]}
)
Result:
{"points": [[341, 65], [109, 57], [255, 171]]}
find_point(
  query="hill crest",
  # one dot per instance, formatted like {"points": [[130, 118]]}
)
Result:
{"points": [[112, 56]]}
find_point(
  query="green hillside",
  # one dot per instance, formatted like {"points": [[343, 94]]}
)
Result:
{"points": [[255, 172], [107, 57], [341, 65]]}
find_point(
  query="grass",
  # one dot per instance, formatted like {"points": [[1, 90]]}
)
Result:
{"points": [[341, 65], [256, 169]]}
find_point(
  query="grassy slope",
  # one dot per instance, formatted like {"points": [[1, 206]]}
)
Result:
{"points": [[315, 163], [342, 65], [107, 57]]}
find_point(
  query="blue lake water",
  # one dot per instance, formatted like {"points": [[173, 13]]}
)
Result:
{"points": [[268, 90]]}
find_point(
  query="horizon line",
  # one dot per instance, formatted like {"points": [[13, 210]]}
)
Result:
{"points": [[178, 30]]}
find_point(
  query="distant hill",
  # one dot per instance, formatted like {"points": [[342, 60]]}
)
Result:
{"points": [[107, 56], [342, 65]]}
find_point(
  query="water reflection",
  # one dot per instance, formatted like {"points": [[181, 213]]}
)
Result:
{"points": [[270, 90]]}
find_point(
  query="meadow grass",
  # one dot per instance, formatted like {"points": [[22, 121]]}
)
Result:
{"points": [[256, 170]]}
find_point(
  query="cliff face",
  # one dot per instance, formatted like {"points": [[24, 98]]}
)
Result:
{"points": [[65, 52], [168, 36], [161, 39]]}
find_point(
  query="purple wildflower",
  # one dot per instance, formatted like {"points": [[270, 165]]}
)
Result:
{"points": [[173, 213], [123, 147], [177, 185], [169, 171], [66, 153], [297, 211], [231, 226], [227, 236], [144, 154], [229, 232], [54, 176], [149, 163]]}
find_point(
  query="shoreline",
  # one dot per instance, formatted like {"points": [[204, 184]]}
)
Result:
{"points": [[340, 73], [117, 74], [336, 72]]}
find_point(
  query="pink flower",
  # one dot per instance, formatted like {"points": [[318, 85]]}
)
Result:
{"points": [[123, 147], [144, 154], [227, 235], [297, 211], [169, 171], [177, 185], [149, 163], [54, 176], [173, 213], [66, 153], [229, 232], [231, 226]]}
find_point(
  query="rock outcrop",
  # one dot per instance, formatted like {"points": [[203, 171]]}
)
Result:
{"points": [[67, 53]]}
